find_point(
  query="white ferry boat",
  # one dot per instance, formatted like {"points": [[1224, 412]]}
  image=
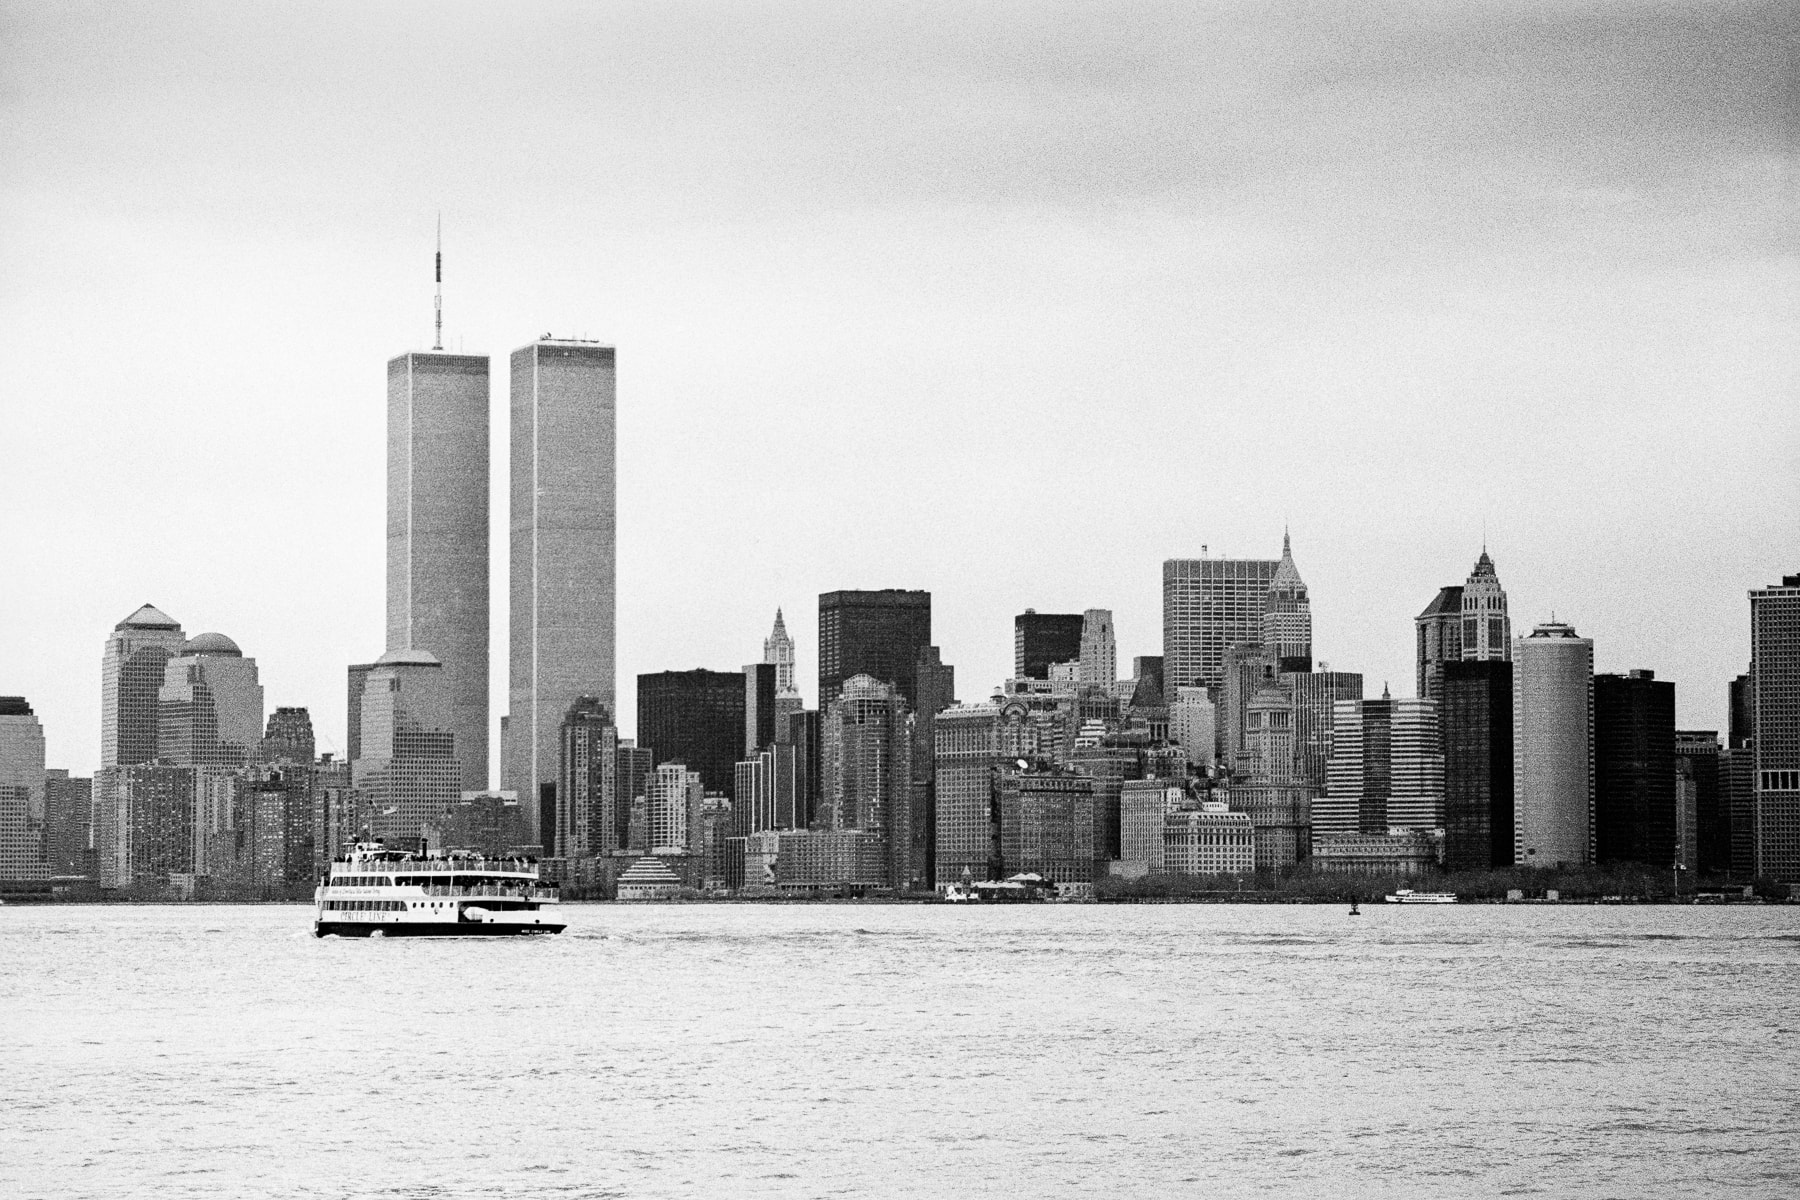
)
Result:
{"points": [[377, 892], [1408, 896]]}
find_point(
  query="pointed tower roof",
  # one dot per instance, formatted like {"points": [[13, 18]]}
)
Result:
{"points": [[1483, 565], [149, 616], [780, 630], [1287, 575]]}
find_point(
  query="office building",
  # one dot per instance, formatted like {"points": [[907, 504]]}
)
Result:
{"points": [[1635, 816], [778, 648], [1099, 649], [68, 824], [1210, 605], [1193, 725], [697, 718], [1249, 668], [1143, 803], [1046, 825], [1553, 763], [437, 532], [563, 552], [210, 706], [1315, 695], [1737, 796], [1287, 615], [1043, 639], [1741, 701], [1386, 769], [968, 751], [587, 792], [408, 772], [1475, 724], [632, 779], [1210, 840], [131, 676], [288, 737], [759, 707], [768, 792], [1395, 852], [672, 800], [21, 791], [1697, 752], [1486, 625], [866, 759], [1775, 732], [144, 825], [878, 634], [1437, 634]]}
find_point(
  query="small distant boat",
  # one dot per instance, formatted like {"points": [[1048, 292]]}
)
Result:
{"points": [[1355, 911], [1408, 896]]}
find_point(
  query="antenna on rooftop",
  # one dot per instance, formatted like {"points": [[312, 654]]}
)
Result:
{"points": [[437, 342]]}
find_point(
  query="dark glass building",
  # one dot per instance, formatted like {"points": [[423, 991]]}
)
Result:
{"points": [[1040, 639], [1634, 769], [878, 634], [759, 707], [1712, 816], [697, 718], [1475, 720], [803, 733]]}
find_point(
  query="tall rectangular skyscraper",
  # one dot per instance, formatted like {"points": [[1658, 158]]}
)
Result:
{"points": [[564, 550], [1210, 605], [878, 634], [1775, 714], [437, 533]]}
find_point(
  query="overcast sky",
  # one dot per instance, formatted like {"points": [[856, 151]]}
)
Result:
{"points": [[1009, 302]]}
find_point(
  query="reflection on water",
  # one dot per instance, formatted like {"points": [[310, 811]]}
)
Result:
{"points": [[796, 1050]]}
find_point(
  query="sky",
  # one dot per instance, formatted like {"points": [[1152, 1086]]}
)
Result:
{"points": [[1010, 302]]}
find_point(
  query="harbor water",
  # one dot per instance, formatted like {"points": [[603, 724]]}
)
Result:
{"points": [[907, 1050]]}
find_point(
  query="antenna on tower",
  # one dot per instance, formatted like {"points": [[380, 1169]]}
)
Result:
{"points": [[437, 342]]}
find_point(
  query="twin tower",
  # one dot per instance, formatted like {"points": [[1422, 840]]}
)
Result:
{"points": [[563, 543]]}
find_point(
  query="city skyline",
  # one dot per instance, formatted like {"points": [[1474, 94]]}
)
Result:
{"points": [[1578, 349]]}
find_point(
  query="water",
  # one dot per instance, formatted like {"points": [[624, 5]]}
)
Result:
{"points": [[740, 1050]]}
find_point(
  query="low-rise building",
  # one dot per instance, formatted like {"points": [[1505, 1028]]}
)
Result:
{"points": [[1208, 841], [1399, 851]]}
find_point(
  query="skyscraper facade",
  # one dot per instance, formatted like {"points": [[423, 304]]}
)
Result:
{"points": [[1287, 615], [1210, 605], [68, 823], [1042, 639], [1099, 649], [587, 792], [866, 758], [697, 718], [131, 676], [437, 532], [778, 648], [1553, 730], [967, 750], [288, 737], [760, 692], [1438, 635], [1699, 750], [21, 791], [1635, 807], [1386, 769], [1475, 723], [875, 633], [672, 799], [1315, 696], [1486, 625], [1775, 713], [563, 553], [144, 824], [407, 773], [210, 706]]}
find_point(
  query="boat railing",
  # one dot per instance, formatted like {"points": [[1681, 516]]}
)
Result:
{"points": [[445, 865], [527, 893]]}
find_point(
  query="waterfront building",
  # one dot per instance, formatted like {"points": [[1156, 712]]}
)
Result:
{"points": [[1040, 639], [587, 786], [874, 633], [1211, 840], [1775, 732], [1386, 769], [1737, 795], [1046, 825], [830, 860], [1210, 605], [288, 737], [131, 676], [967, 750], [1687, 828], [1099, 655], [759, 707], [695, 717], [866, 760], [1437, 633], [1282, 816], [21, 791], [563, 552], [1635, 811], [1475, 725], [437, 532], [649, 878], [1143, 803], [1553, 763], [408, 771], [672, 797], [210, 706], [1697, 754], [1193, 725], [778, 648], [144, 825], [804, 733], [68, 824], [1287, 615], [1395, 851], [1486, 625], [1315, 695]]}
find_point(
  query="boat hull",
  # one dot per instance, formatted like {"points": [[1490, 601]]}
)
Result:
{"points": [[430, 928]]}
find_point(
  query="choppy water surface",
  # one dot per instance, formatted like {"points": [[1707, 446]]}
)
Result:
{"points": [[738, 1050]]}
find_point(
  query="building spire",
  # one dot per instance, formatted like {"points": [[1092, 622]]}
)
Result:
{"points": [[437, 342]]}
